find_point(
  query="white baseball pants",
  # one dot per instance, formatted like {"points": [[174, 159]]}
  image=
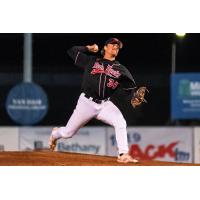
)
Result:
{"points": [[85, 110]]}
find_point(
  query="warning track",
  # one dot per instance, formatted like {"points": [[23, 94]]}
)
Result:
{"points": [[47, 158]]}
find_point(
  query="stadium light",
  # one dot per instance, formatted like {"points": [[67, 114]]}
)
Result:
{"points": [[180, 36]]}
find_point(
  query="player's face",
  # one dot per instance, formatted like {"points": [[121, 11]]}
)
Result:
{"points": [[112, 49]]}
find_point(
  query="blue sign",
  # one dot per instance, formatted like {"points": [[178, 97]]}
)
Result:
{"points": [[27, 103], [185, 96]]}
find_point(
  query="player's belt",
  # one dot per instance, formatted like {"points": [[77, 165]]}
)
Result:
{"points": [[95, 100]]}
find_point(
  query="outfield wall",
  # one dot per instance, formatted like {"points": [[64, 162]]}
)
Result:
{"points": [[196, 144], [9, 139], [175, 144]]}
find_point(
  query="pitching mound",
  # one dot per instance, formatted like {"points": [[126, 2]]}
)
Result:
{"points": [[47, 158]]}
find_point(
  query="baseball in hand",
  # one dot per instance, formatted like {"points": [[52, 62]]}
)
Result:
{"points": [[95, 48]]}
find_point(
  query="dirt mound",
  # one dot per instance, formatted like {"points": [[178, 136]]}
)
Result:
{"points": [[47, 158]]}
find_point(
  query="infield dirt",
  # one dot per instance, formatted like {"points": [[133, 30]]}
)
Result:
{"points": [[47, 158]]}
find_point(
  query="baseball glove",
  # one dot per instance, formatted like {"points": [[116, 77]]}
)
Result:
{"points": [[139, 96]]}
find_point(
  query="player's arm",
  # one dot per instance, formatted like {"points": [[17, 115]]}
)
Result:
{"points": [[128, 86], [127, 81], [79, 54]]}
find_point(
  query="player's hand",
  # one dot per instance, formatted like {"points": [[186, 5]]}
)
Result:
{"points": [[93, 48]]}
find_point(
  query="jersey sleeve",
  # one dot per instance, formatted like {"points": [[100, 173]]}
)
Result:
{"points": [[127, 80], [127, 84], [78, 54]]}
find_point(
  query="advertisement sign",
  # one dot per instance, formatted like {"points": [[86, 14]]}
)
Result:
{"points": [[164, 144], [91, 140], [185, 96], [87, 140], [197, 144], [27, 103], [9, 139], [34, 138]]}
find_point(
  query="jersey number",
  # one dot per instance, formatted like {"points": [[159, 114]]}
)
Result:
{"points": [[112, 84]]}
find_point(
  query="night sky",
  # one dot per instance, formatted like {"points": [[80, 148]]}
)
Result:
{"points": [[144, 52]]}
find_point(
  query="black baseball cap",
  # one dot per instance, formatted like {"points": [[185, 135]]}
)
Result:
{"points": [[114, 41]]}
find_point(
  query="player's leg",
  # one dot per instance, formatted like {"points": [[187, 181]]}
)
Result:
{"points": [[111, 115], [85, 110]]}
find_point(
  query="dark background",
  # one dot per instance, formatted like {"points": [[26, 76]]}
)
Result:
{"points": [[147, 56]]}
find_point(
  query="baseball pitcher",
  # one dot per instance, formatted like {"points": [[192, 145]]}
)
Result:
{"points": [[102, 77]]}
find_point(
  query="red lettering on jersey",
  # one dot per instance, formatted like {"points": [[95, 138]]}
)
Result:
{"points": [[99, 69], [110, 71]]}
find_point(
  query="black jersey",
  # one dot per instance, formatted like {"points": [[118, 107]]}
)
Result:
{"points": [[102, 77]]}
